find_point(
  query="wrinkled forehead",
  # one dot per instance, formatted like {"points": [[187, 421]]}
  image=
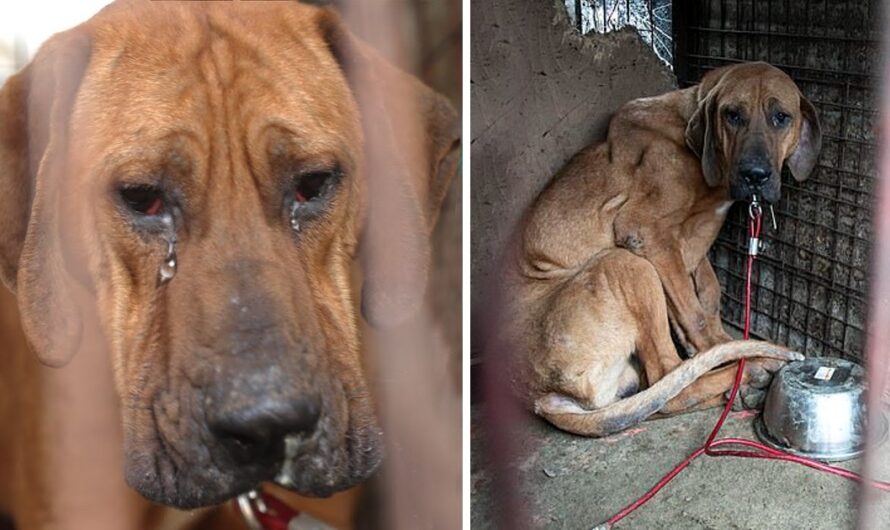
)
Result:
{"points": [[255, 78], [759, 86]]}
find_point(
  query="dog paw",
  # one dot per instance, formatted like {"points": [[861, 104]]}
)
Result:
{"points": [[758, 375], [760, 371], [748, 398]]}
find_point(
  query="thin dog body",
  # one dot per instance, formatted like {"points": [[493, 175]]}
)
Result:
{"points": [[186, 188], [613, 254]]}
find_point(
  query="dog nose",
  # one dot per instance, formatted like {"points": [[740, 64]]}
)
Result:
{"points": [[755, 173], [256, 432]]}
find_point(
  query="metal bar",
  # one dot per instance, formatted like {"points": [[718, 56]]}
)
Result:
{"points": [[786, 66], [679, 42], [858, 297], [579, 17], [797, 78], [809, 277], [869, 41]]}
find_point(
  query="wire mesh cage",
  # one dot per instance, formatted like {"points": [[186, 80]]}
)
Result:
{"points": [[811, 281]]}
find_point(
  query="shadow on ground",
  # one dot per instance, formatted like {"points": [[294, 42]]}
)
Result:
{"points": [[576, 483]]}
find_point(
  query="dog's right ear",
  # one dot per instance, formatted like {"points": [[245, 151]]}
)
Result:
{"points": [[700, 133], [700, 138], [35, 110]]}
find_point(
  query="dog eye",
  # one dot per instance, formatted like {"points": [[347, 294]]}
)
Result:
{"points": [[307, 200], [143, 199], [780, 119], [311, 186], [733, 116]]}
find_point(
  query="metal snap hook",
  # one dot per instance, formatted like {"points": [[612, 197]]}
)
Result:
{"points": [[754, 208], [245, 503], [772, 216]]}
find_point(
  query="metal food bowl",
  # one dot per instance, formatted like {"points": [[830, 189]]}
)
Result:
{"points": [[816, 408]]}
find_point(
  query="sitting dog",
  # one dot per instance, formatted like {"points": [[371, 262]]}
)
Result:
{"points": [[185, 190], [613, 253]]}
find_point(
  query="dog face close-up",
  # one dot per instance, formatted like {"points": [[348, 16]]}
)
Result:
{"points": [[211, 158], [751, 120]]}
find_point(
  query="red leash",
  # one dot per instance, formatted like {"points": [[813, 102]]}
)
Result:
{"points": [[755, 214]]}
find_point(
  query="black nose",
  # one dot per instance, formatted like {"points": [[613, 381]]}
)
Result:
{"points": [[256, 432], [755, 173]]}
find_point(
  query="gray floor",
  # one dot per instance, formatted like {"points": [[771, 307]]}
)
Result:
{"points": [[572, 482]]}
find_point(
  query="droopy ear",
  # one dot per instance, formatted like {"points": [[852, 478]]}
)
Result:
{"points": [[700, 138], [412, 140], [803, 158], [35, 107]]}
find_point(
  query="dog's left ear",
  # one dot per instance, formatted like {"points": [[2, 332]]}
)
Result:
{"points": [[412, 151], [803, 158]]}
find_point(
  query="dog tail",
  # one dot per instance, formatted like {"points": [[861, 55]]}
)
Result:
{"points": [[567, 415]]}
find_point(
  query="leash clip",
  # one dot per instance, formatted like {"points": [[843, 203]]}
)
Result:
{"points": [[755, 212], [261, 510], [754, 209], [249, 504], [753, 246]]}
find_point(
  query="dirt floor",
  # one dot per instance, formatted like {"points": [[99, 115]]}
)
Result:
{"points": [[572, 482]]}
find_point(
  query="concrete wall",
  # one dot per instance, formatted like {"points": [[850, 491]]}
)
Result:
{"points": [[540, 93]]}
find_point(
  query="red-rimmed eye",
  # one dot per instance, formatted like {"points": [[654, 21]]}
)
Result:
{"points": [[311, 185], [146, 200]]}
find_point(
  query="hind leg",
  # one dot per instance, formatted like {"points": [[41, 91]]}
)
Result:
{"points": [[588, 339], [595, 323]]}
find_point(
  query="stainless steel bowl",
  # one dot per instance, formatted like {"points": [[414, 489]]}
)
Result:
{"points": [[816, 408]]}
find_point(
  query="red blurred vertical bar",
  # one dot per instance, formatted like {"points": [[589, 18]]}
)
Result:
{"points": [[419, 403], [873, 503], [503, 416]]}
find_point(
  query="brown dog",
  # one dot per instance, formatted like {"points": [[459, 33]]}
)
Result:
{"points": [[226, 146], [614, 251]]}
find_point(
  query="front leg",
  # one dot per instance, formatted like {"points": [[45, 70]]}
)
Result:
{"points": [[699, 323], [708, 290]]}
